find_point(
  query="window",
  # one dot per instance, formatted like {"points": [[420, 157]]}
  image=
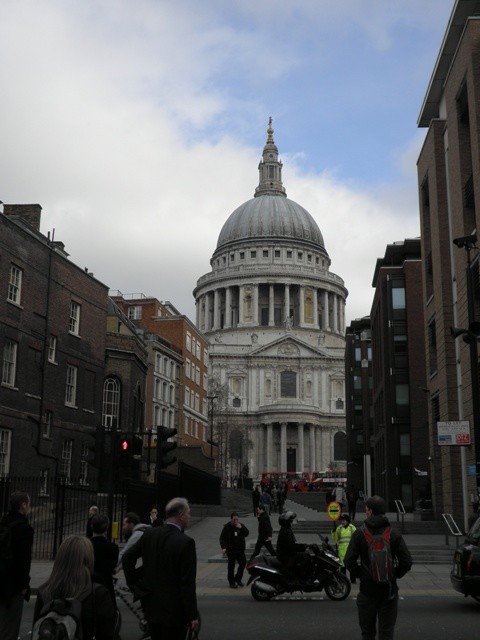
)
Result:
{"points": [[197, 375], [309, 257], [134, 312], [171, 420], [156, 416], [398, 298], [47, 425], [52, 349], [232, 257], [158, 390], [84, 464], [268, 387], [187, 396], [289, 254], [340, 446], [205, 381], [165, 392], [404, 444], [186, 426], [277, 253], [242, 255], [189, 341], [265, 253], [111, 402], [158, 363], [288, 384], [71, 386], [165, 366], [9, 363], [15, 284], [300, 255], [357, 382], [358, 354], [187, 368], [74, 321], [5, 440], [66, 459], [198, 350], [253, 254], [237, 403], [197, 402], [369, 353], [317, 260], [174, 371], [308, 389], [401, 394], [204, 407], [172, 394], [224, 260]]}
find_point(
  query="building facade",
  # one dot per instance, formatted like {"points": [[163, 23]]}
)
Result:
{"points": [[273, 313], [400, 418], [359, 405], [449, 188], [52, 345]]}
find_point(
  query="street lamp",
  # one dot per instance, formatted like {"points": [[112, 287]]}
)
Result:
{"points": [[210, 411]]}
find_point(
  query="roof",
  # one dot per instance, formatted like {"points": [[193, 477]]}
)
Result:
{"points": [[396, 254]]}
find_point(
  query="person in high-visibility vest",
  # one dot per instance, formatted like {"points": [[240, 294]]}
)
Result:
{"points": [[342, 536]]}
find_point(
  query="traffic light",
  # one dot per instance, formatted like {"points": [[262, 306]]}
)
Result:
{"points": [[164, 447], [125, 451]]}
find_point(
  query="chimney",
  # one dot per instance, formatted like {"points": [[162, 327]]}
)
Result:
{"points": [[29, 213]]}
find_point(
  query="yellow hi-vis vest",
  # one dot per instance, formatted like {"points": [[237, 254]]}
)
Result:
{"points": [[342, 536]]}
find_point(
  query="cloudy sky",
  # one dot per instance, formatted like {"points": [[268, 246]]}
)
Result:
{"points": [[138, 125]]}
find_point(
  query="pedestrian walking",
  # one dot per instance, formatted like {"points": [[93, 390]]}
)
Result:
{"points": [[352, 498], [152, 519], [342, 536], [93, 511], [383, 557], [266, 501], [16, 540], [256, 495], [133, 530], [232, 542], [71, 577], [105, 554], [265, 533], [167, 586]]}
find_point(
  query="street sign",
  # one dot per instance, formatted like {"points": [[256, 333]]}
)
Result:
{"points": [[334, 510], [455, 432], [471, 469]]}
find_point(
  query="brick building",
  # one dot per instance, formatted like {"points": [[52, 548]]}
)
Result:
{"points": [[359, 407], [52, 345], [164, 320], [449, 187], [400, 423]]}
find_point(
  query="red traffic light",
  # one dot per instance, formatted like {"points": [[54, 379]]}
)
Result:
{"points": [[124, 445]]}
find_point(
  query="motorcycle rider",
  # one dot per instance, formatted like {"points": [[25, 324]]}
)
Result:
{"points": [[291, 554], [342, 536]]}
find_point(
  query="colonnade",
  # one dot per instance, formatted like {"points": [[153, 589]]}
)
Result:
{"points": [[271, 304]]}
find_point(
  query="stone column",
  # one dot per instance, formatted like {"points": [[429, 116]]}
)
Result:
{"points": [[315, 307], [269, 447], [197, 312], [255, 304], [326, 315], [286, 310], [335, 313], [301, 450], [342, 316], [271, 306], [228, 308], [240, 305], [301, 296], [313, 464], [216, 310], [207, 312], [283, 447]]}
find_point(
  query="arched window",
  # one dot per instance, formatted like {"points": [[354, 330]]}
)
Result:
{"points": [[111, 403], [288, 384], [340, 446]]}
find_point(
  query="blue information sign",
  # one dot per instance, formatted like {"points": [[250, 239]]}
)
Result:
{"points": [[471, 469]]}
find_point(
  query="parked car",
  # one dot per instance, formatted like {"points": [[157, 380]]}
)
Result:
{"points": [[465, 575]]}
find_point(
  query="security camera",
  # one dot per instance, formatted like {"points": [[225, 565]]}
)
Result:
{"points": [[466, 241]]}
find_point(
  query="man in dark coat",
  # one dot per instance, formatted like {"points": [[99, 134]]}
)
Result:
{"points": [[232, 542], [92, 512], [105, 553], [265, 533], [167, 586], [17, 534], [256, 499], [377, 599]]}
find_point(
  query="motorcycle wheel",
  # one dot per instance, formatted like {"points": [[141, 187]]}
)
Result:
{"points": [[338, 588], [258, 594]]}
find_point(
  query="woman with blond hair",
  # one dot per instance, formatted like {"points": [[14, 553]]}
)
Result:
{"points": [[71, 577]]}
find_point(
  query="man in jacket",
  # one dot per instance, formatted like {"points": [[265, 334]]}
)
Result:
{"points": [[290, 553], [105, 553], [167, 586], [232, 542], [16, 537], [342, 536], [377, 600], [265, 533], [133, 530], [256, 499]]}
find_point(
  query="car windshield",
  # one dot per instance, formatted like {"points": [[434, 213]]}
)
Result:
{"points": [[474, 533]]}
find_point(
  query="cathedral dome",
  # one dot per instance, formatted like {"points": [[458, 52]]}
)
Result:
{"points": [[270, 215]]}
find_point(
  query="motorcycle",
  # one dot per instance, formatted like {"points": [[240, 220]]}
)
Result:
{"points": [[268, 577]]}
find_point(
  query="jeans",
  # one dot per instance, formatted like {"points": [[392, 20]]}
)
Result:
{"points": [[371, 608], [11, 616], [239, 557]]}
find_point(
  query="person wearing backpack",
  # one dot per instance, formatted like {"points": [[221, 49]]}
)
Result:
{"points": [[69, 603], [384, 557], [16, 540]]}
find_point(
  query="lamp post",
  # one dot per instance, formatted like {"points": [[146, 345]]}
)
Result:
{"points": [[210, 411]]}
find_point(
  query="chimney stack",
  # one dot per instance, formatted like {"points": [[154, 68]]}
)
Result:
{"points": [[30, 213]]}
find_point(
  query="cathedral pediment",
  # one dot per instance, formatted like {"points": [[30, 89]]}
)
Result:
{"points": [[288, 347]]}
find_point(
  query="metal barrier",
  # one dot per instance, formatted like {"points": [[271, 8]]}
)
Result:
{"points": [[452, 529], [400, 513]]}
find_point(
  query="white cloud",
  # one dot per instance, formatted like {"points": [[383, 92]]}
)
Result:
{"points": [[99, 102]]}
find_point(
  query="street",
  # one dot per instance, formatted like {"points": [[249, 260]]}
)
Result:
{"points": [[238, 616]]}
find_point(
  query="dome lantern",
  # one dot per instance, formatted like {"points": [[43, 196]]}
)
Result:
{"points": [[270, 168]]}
